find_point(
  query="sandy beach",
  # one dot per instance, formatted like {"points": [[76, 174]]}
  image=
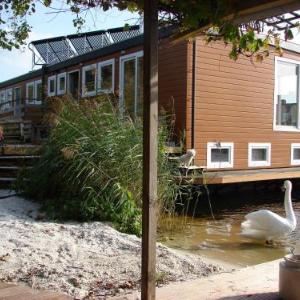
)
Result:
{"points": [[84, 260]]}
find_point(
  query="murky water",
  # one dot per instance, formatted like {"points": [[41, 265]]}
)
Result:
{"points": [[219, 239]]}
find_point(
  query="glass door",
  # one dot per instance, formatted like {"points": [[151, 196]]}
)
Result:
{"points": [[17, 102], [131, 84]]}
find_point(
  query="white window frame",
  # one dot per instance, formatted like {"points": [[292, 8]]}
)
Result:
{"points": [[31, 101], [220, 165], [59, 76], [109, 62], [52, 78], [294, 162], [262, 163], [85, 69], [284, 127], [124, 58]]}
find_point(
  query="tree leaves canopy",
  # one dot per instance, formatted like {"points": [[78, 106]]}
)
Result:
{"points": [[188, 15]]}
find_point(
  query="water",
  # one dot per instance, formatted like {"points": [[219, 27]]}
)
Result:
{"points": [[219, 239]]}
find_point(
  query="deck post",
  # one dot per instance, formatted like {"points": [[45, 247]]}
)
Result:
{"points": [[150, 129]]}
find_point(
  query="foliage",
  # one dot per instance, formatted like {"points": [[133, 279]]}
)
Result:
{"points": [[189, 16], [91, 167]]}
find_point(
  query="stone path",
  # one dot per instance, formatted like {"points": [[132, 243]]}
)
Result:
{"points": [[19, 292]]}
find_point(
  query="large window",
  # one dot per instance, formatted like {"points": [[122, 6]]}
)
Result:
{"points": [[17, 100], [131, 83], [38, 91], [89, 80], [30, 93], [9, 99], [220, 155], [286, 95], [2, 100], [34, 92], [106, 76]]}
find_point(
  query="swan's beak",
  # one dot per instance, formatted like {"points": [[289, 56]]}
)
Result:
{"points": [[283, 188]]}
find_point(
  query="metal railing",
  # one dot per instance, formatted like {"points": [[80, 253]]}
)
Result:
{"points": [[6, 106]]}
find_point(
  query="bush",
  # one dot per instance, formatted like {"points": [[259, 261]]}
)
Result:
{"points": [[91, 166]]}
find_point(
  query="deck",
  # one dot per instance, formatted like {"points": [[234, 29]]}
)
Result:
{"points": [[10, 291], [258, 282], [228, 176]]}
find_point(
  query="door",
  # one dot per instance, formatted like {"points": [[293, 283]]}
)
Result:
{"points": [[131, 84], [73, 84], [17, 102]]}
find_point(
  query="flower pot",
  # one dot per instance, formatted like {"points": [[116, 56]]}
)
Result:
{"points": [[289, 277]]}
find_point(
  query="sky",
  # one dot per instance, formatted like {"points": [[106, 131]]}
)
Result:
{"points": [[45, 24]]}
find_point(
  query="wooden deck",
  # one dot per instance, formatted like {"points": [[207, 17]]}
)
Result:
{"points": [[222, 177], [258, 282], [10, 291]]}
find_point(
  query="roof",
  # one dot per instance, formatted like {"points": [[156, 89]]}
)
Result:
{"points": [[54, 50], [110, 49]]}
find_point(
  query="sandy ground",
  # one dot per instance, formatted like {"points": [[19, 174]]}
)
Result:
{"points": [[84, 260]]}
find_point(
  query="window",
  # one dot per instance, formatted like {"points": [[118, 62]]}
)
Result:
{"points": [[61, 84], [89, 80], [106, 73], [219, 155], [9, 99], [73, 84], [34, 92], [52, 86], [30, 93], [2, 100], [295, 154], [38, 91], [17, 100], [286, 108], [131, 83], [259, 154]]}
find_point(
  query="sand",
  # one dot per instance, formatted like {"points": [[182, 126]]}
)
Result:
{"points": [[84, 260]]}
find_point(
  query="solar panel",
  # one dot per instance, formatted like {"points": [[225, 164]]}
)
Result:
{"points": [[59, 49]]}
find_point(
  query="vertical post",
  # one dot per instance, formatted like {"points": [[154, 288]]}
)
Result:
{"points": [[150, 129]]}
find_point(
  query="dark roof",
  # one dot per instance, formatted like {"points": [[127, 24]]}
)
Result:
{"points": [[123, 45]]}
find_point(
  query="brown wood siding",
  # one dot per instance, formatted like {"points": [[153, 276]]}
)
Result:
{"points": [[234, 102], [172, 81]]}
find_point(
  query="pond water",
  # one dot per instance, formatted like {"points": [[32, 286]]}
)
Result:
{"points": [[219, 238]]}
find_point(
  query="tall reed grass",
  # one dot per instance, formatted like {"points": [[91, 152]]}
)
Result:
{"points": [[91, 166]]}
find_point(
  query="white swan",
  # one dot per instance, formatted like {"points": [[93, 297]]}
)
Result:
{"points": [[264, 224]]}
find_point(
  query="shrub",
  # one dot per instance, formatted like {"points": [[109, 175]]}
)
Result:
{"points": [[91, 166]]}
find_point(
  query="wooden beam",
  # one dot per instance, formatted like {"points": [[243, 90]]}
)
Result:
{"points": [[229, 176], [150, 129], [262, 9]]}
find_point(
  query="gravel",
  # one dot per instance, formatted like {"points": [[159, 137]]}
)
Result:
{"points": [[84, 260]]}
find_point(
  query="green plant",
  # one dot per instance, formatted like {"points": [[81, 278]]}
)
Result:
{"points": [[91, 166]]}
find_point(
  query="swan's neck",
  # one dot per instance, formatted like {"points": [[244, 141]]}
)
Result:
{"points": [[290, 215]]}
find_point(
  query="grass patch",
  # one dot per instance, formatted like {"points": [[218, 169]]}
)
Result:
{"points": [[91, 166]]}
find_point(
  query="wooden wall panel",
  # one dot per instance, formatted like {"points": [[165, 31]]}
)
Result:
{"points": [[234, 102], [172, 81]]}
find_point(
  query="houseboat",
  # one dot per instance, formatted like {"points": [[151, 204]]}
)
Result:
{"points": [[241, 117]]}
